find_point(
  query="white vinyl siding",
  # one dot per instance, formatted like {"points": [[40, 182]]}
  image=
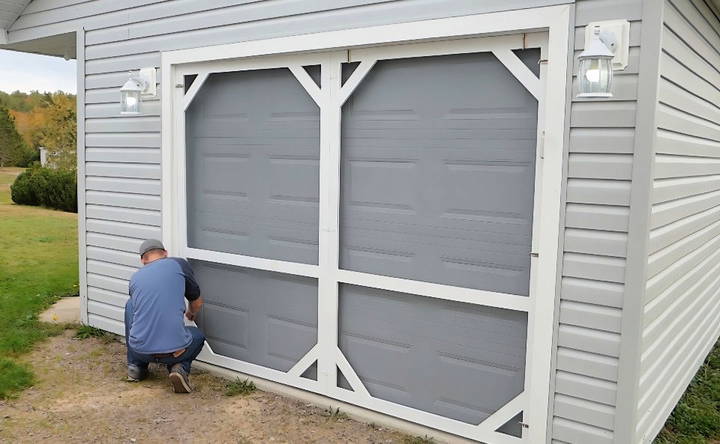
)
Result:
{"points": [[681, 315]]}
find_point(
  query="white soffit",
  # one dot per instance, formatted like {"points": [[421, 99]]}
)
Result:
{"points": [[10, 10]]}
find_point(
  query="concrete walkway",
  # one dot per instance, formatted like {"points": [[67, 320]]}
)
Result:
{"points": [[66, 310]]}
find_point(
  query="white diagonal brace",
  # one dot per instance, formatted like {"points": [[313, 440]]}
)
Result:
{"points": [[307, 82], [519, 70], [504, 413], [305, 362], [355, 78], [349, 373], [194, 88]]}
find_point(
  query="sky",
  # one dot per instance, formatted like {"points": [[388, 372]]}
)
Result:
{"points": [[26, 72]]}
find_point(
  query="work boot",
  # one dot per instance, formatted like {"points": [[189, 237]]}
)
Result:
{"points": [[136, 373], [180, 379]]}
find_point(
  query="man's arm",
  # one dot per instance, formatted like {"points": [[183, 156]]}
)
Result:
{"points": [[192, 290]]}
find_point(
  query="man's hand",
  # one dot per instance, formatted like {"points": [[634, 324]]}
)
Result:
{"points": [[193, 309]]}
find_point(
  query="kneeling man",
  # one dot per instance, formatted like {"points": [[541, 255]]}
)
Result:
{"points": [[154, 326]]}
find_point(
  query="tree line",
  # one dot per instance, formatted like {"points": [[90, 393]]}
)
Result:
{"points": [[37, 119]]}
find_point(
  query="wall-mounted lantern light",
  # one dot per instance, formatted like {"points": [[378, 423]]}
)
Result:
{"points": [[139, 85], [606, 50]]}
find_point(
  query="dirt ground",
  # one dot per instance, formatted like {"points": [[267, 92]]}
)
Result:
{"points": [[81, 396]]}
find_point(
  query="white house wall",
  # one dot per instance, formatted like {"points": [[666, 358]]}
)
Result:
{"points": [[122, 169]]}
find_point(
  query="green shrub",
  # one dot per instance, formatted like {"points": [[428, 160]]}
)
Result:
{"points": [[47, 187], [22, 191]]}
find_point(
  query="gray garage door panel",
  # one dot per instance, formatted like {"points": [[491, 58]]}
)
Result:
{"points": [[438, 171], [265, 318], [458, 360], [253, 146]]}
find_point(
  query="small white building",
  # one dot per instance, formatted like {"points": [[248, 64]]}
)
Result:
{"points": [[430, 209]]}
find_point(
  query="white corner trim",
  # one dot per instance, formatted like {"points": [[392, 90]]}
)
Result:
{"points": [[3, 36]]}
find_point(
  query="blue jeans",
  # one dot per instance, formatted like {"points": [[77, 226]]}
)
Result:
{"points": [[142, 360]]}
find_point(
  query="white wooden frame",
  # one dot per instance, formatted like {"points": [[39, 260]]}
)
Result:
{"points": [[529, 28]]}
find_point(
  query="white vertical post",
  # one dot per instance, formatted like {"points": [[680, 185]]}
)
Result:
{"points": [[329, 240]]}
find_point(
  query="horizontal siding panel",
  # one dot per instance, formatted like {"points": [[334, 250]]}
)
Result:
{"points": [[696, 55], [117, 169], [592, 316], [565, 431], [129, 245], [144, 217], [235, 14], [665, 213], [111, 270], [600, 166], [602, 140], [603, 243], [688, 32], [671, 189], [585, 412], [113, 256], [684, 166], [679, 121], [106, 310], [592, 341], [123, 229], [682, 281], [598, 268], [677, 334], [591, 11], [107, 297], [599, 192], [584, 387], [674, 143], [593, 114], [653, 417], [108, 283], [673, 367], [678, 74], [588, 364], [661, 260], [677, 97], [125, 200], [124, 155], [137, 124], [106, 324], [137, 186], [73, 11], [592, 292], [122, 64], [597, 217], [119, 140]]}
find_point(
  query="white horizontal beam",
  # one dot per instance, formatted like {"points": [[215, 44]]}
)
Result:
{"points": [[258, 263], [437, 291]]}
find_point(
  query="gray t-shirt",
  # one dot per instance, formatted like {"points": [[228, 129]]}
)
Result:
{"points": [[157, 306]]}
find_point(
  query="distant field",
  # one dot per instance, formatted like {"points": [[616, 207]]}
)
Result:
{"points": [[38, 264]]}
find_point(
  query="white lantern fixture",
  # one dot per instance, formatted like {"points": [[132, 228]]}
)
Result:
{"points": [[595, 68], [139, 85]]}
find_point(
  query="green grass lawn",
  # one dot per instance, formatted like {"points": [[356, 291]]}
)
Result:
{"points": [[696, 418], [38, 264]]}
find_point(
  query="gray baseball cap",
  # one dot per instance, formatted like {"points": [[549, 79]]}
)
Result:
{"points": [[150, 244]]}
